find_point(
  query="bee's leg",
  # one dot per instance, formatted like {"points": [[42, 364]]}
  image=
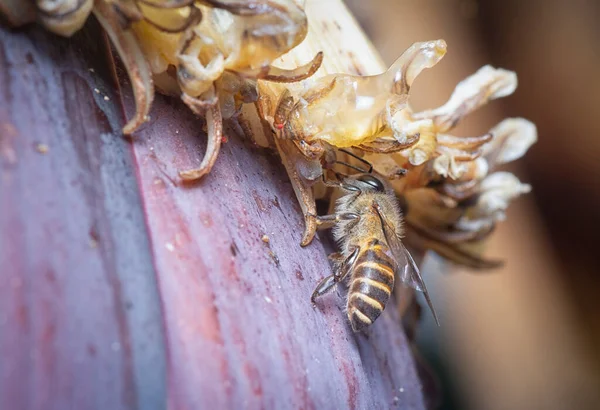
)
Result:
{"points": [[338, 183], [336, 258], [325, 221], [330, 281]]}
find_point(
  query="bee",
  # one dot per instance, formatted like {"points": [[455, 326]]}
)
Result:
{"points": [[368, 226]]}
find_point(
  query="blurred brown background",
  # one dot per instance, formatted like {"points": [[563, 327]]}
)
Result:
{"points": [[526, 336]]}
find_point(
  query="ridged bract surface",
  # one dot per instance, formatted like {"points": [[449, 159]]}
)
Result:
{"points": [[122, 290]]}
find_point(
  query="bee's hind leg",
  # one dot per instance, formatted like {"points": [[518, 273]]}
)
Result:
{"points": [[324, 287], [328, 283]]}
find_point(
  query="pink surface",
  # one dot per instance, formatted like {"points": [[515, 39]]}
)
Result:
{"points": [[120, 288]]}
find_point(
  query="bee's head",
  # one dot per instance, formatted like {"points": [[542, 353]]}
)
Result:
{"points": [[369, 182]]}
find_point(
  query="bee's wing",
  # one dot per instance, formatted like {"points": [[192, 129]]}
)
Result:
{"points": [[410, 274]]}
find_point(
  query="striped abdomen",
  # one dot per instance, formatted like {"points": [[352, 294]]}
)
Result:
{"points": [[371, 285]]}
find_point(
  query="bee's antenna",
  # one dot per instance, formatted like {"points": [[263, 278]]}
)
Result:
{"points": [[364, 161], [359, 169]]}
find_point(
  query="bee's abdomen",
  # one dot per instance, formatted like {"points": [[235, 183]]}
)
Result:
{"points": [[371, 285]]}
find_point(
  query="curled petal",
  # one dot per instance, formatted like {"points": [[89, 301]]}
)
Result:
{"points": [[446, 166], [512, 139], [409, 65], [496, 192], [134, 60], [64, 17], [214, 124], [427, 207], [474, 225], [245, 8], [200, 105], [455, 236], [488, 83], [167, 4], [476, 170], [17, 12], [423, 150], [313, 151], [458, 154], [452, 252], [464, 143], [282, 75], [460, 256], [297, 166], [350, 111], [417, 157], [194, 77], [386, 146], [460, 191], [256, 31], [285, 104], [171, 20], [128, 11], [396, 121]]}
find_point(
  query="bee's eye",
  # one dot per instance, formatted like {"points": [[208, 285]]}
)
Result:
{"points": [[373, 182]]}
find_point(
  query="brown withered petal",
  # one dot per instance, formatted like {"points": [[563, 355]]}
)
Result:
{"points": [[452, 236], [385, 146], [298, 167], [427, 207], [451, 252], [134, 60], [214, 124], [299, 73]]}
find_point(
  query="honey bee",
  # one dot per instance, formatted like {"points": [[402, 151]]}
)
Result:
{"points": [[368, 225]]}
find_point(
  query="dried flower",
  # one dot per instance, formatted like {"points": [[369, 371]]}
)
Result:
{"points": [[209, 52], [371, 115], [451, 216]]}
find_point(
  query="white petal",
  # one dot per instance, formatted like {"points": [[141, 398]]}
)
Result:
{"points": [[488, 83], [512, 139], [497, 190]]}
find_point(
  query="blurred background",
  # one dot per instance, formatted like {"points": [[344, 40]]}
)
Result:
{"points": [[526, 336]]}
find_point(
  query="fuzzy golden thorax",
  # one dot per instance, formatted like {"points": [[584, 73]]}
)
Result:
{"points": [[350, 234]]}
